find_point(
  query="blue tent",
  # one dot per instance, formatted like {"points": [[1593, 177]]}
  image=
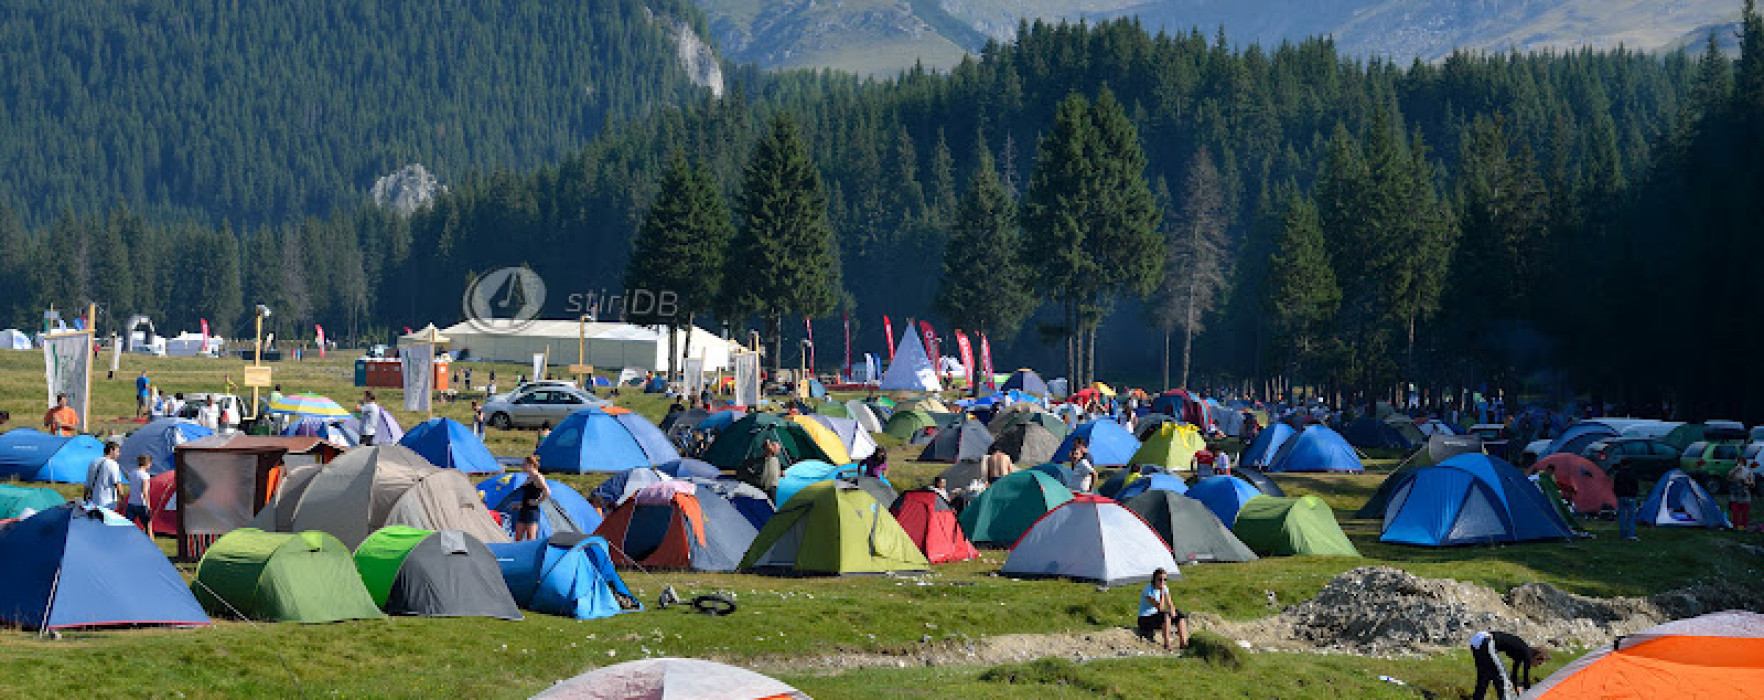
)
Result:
{"points": [[1317, 449], [566, 512], [33, 455], [1267, 444], [1369, 432], [562, 575], [346, 433], [1469, 499], [602, 381], [656, 385], [717, 421], [816, 389], [1026, 381], [1224, 495], [1164, 482], [687, 467], [1679, 501], [750, 502], [448, 443], [157, 439], [593, 440], [71, 567], [810, 471], [1110, 444], [625, 484], [1575, 439]]}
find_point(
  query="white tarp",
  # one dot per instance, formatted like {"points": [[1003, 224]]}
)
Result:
{"points": [[67, 360], [419, 375], [14, 339], [911, 369], [747, 381], [694, 375]]}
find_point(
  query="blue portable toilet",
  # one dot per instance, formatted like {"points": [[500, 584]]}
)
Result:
{"points": [[1317, 449], [27, 454], [595, 440], [1469, 499], [72, 566], [1110, 444], [566, 512], [448, 443], [1267, 444], [563, 575], [1224, 495], [157, 440]]}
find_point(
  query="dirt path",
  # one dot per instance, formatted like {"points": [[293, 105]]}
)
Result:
{"points": [[985, 651]]}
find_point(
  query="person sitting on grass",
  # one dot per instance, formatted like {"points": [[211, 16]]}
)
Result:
{"points": [[1158, 613], [1485, 645]]}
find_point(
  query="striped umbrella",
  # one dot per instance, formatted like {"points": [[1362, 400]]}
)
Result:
{"points": [[309, 405]]}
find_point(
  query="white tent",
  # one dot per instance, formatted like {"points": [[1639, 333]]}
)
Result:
{"points": [[1091, 540], [14, 339], [607, 345], [911, 369], [865, 417]]}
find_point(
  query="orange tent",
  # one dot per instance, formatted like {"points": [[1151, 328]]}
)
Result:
{"points": [[1579, 476], [1719, 655]]}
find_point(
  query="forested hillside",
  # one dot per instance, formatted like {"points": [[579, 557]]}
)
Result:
{"points": [[264, 112], [1535, 221]]}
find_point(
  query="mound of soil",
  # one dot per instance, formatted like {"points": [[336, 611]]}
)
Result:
{"points": [[1383, 611]]}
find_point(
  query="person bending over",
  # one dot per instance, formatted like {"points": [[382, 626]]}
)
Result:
{"points": [[1486, 645]]}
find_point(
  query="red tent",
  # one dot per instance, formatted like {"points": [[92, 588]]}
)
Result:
{"points": [[159, 503], [1579, 476], [931, 522]]}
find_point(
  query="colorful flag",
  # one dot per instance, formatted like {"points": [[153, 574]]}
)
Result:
{"points": [[205, 335], [321, 340], [931, 349], [967, 352], [888, 330], [986, 373]]}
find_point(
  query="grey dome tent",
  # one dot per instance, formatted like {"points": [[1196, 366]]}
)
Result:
{"points": [[1261, 481], [435, 574], [1192, 531], [371, 487], [1028, 443], [967, 439]]}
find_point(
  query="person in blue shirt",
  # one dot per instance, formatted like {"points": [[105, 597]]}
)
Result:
{"points": [[1158, 613], [143, 394]]}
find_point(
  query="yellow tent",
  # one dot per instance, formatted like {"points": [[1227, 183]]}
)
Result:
{"points": [[1103, 389], [1173, 446], [824, 439]]}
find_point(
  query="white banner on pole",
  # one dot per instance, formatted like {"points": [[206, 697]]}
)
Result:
{"points": [[747, 381], [538, 366], [419, 375], [694, 375], [116, 355], [67, 359]]}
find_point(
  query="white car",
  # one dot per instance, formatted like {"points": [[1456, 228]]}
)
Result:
{"points": [[231, 408], [537, 403]]}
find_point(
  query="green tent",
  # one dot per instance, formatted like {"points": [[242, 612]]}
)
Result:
{"points": [[282, 577], [1006, 509], [15, 500], [833, 527], [1007, 419], [833, 408], [903, 424], [743, 439], [1291, 526]]}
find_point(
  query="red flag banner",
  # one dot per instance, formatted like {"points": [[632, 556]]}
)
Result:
{"points": [[888, 330], [321, 340], [204, 335], [931, 347], [967, 352], [986, 361]]}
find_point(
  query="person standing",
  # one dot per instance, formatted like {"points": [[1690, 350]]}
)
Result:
{"points": [[998, 464], [1203, 463], [1739, 496], [370, 418], [534, 491], [103, 476], [1627, 487], [61, 421], [209, 415], [143, 394], [139, 479], [1157, 613], [771, 468], [477, 419], [1221, 460], [1485, 646], [1083, 469]]}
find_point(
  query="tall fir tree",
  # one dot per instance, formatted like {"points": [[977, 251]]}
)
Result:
{"points": [[1303, 295], [680, 250], [985, 287], [1058, 212]]}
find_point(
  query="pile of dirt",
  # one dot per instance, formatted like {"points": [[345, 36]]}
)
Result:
{"points": [[985, 651], [1382, 611]]}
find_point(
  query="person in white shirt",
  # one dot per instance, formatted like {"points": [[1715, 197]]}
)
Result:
{"points": [[138, 479], [209, 415], [370, 418], [1157, 612], [1082, 467], [102, 477]]}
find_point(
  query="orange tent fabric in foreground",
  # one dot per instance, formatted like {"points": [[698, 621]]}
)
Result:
{"points": [[1719, 655]]}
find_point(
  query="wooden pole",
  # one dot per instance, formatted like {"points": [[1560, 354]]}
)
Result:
{"points": [[433, 332], [257, 361], [91, 335]]}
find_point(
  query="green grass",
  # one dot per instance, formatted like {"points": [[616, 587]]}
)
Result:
{"points": [[784, 619]]}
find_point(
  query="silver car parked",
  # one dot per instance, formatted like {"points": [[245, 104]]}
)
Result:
{"points": [[533, 405]]}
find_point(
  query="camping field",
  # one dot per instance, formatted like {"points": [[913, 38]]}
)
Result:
{"points": [[832, 637]]}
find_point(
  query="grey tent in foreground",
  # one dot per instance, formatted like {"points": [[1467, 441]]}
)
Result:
{"points": [[371, 487], [670, 679], [434, 574], [1192, 531]]}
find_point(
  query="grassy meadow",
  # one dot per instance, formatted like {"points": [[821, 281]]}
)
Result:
{"points": [[788, 626]]}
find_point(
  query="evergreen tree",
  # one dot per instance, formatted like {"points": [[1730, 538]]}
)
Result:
{"points": [[985, 286], [1058, 213], [1196, 270], [1303, 296], [781, 259], [680, 249], [1123, 236]]}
